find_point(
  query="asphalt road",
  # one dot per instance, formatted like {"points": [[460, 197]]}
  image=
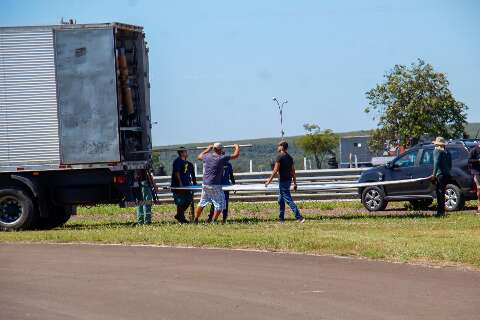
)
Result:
{"points": [[43, 281]]}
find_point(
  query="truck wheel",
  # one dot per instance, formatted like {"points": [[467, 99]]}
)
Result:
{"points": [[57, 216], [421, 204], [373, 199], [17, 211], [454, 199]]}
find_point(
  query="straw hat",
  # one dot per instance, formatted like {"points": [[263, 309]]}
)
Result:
{"points": [[439, 141]]}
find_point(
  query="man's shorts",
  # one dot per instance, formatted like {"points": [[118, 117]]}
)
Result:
{"points": [[214, 195], [183, 199], [476, 178]]}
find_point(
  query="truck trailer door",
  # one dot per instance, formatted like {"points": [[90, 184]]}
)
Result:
{"points": [[87, 95]]}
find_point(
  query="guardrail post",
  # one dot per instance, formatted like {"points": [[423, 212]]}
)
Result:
{"points": [[305, 163], [251, 165]]}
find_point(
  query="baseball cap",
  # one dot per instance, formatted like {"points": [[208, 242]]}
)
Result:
{"points": [[218, 146]]}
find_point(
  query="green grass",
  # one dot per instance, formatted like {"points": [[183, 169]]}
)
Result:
{"points": [[340, 228]]}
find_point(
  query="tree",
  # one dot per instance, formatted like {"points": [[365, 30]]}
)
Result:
{"points": [[412, 102], [317, 143], [158, 166]]}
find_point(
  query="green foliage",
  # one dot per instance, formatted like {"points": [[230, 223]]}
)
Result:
{"points": [[413, 102], [317, 143], [158, 165]]}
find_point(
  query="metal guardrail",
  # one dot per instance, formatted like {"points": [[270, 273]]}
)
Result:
{"points": [[304, 177]]}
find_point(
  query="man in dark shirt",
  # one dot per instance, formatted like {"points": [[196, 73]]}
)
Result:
{"points": [[474, 162], [212, 178], [284, 167], [442, 164], [227, 179], [182, 175]]}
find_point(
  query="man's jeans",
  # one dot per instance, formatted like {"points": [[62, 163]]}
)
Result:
{"points": [[285, 196]]}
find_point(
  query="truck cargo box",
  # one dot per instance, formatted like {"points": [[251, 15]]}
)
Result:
{"points": [[74, 96]]}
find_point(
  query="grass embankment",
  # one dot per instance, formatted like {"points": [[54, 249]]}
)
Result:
{"points": [[341, 228]]}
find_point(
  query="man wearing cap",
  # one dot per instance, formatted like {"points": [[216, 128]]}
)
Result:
{"points": [[442, 164], [227, 179], [212, 192], [182, 176]]}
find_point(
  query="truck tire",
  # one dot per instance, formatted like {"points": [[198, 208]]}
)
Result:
{"points": [[17, 211], [57, 216], [421, 204], [454, 198], [373, 199]]}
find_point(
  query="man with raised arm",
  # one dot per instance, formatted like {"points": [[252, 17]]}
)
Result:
{"points": [[212, 178], [227, 179], [285, 168]]}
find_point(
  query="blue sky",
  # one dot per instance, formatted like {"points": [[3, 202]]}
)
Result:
{"points": [[215, 65]]}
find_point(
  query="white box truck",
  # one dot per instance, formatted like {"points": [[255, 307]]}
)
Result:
{"points": [[74, 120]]}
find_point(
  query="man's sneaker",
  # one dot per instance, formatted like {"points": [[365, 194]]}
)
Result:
{"points": [[301, 220], [281, 221]]}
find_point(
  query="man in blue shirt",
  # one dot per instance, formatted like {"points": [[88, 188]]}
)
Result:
{"points": [[212, 178], [227, 179], [182, 175]]}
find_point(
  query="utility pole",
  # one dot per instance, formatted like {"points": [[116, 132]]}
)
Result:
{"points": [[280, 110]]}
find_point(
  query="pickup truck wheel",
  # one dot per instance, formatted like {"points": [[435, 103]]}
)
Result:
{"points": [[57, 216], [373, 199], [421, 204], [454, 199], [17, 211]]}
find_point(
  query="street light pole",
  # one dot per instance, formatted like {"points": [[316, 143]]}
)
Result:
{"points": [[280, 110]]}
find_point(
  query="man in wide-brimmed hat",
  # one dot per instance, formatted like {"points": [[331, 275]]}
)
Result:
{"points": [[442, 164]]}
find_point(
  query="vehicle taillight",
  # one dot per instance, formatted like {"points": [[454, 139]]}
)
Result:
{"points": [[119, 179]]}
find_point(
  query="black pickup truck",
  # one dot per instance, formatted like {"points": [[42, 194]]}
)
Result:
{"points": [[417, 162]]}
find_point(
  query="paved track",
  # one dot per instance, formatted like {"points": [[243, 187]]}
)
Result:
{"points": [[123, 282]]}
